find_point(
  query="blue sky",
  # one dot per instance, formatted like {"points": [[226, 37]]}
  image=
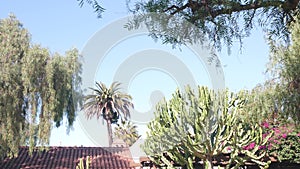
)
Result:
{"points": [[61, 25]]}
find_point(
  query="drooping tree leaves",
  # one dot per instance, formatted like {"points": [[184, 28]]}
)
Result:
{"points": [[14, 44], [285, 75], [95, 5], [37, 89], [222, 22]]}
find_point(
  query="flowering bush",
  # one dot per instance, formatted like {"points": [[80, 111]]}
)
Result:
{"points": [[284, 144], [250, 146]]}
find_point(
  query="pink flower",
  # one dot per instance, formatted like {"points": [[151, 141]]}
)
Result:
{"points": [[265, 135], [265, 124], [262, 147], [251, 145], [276, 141], [246, 147], [270, 146], [276, 130], [298, 134], [284, 135]]}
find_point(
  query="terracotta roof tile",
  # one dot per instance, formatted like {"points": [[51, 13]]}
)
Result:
{"points": [[68, 158]]}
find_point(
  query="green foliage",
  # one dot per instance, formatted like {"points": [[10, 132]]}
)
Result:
{"points": [[127, 132], [276, 103], [285, 75], [14, 41], [222, 22], [95, 5], [200, 126], [110, 103], [288, 149], [80, 165], [285, 142], [259, 104], [36, 89]]}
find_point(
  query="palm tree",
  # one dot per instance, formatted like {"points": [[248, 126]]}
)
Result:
{"points": [[127, 132], [108, 103]]}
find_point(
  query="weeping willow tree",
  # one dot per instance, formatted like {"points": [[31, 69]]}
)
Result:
{"points": [[196, 127], [37, 89]]}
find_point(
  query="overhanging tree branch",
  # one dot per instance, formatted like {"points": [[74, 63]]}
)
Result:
{"points": [[216, 9], [221, 21]]}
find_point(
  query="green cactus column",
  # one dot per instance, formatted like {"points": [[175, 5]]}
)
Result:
{"points": [[196, 127]]}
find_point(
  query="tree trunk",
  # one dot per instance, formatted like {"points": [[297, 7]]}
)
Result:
{"points": [[109, 131]]}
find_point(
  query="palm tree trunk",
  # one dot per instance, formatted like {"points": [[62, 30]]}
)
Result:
{"points": [[109, 130]]}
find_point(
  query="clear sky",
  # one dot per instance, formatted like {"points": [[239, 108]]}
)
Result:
{"points": [[61, 25]]}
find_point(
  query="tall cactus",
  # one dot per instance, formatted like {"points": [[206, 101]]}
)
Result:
{"points": [[194, 127]]}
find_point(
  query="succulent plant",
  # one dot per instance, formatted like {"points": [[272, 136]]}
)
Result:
{"points": [[81, 165], [197, 127]]}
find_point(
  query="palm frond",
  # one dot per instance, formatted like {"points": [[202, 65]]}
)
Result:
{"points": [[111, 99]]}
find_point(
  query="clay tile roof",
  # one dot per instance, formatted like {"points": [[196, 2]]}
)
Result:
{"points": [[68, 158]]}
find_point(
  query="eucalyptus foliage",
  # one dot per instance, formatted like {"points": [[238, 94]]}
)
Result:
{"points": [[195, 126], [37, 88]]}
